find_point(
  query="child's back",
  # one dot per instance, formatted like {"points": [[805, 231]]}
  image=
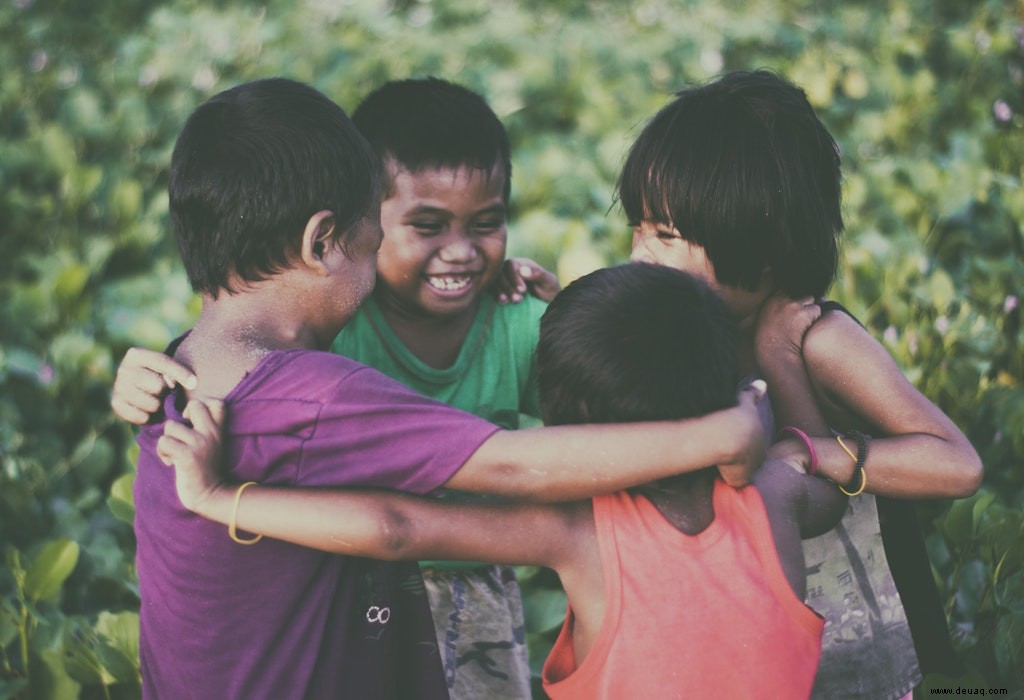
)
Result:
{"points": [[703, 584]]}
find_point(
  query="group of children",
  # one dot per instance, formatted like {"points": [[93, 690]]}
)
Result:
{"points": [[675, 578]]}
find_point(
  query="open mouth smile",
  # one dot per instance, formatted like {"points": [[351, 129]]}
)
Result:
{"points": [[449, 283]]}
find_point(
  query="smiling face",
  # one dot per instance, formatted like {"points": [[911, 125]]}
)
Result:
{"points": [[444, 240]]}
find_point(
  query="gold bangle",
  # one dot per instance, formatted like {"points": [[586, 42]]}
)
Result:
{"points": [[846, 449], [863, 483], [234, 517]]}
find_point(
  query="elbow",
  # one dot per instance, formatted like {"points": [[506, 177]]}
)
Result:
{"points": [[969, 474], [394, 538]]}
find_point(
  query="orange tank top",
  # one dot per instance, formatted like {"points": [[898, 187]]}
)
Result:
{"points": [[686, 615]]}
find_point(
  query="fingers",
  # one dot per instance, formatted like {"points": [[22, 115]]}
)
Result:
{"points": [[142, 378], [170, 449], [509, 286], [127, 412], [206, 416], [172, 373], [753, 392]]}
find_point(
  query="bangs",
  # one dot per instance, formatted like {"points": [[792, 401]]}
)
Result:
{"points": [[643, 186]]}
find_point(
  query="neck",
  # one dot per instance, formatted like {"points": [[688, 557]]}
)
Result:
{"points": [[745, 346], [435, 339], [235, 331], [685, 500]]}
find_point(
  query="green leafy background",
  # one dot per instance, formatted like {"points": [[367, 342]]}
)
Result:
{"points": [[924, 96]]}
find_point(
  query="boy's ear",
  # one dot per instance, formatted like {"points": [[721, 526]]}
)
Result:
{"points": [[316, 238]]}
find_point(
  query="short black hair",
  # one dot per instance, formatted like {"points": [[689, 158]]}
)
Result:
{"points": [[426, 123], [636, 342], [743, 167], [251, 166]]}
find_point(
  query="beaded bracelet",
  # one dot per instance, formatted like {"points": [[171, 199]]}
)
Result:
{"points": [[812, 466], [232, 524]]}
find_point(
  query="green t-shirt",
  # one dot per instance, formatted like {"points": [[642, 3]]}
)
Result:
{"points": [[494, 376]]}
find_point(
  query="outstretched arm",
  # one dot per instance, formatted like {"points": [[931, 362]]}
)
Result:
{"points": [[564, 463], [367, 523]]}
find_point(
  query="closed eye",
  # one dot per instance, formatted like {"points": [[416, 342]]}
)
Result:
{"points": [[427, 228], [488, 226]]}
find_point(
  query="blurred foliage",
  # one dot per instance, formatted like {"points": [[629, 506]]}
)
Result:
{"points": [[924, 96]]}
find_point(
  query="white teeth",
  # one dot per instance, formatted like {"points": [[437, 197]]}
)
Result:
{"points": [[448, 283]]}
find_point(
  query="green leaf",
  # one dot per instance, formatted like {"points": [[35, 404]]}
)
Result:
{"points": [[122, 499], [50, 679], [1009, 647], [121, 631], [544, 609], [51, 568]]}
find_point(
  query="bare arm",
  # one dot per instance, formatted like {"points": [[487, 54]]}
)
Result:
{"points": [[817, 503], [565, 463], [542, 464], [368, 523], [918, 452], [799, 506]]}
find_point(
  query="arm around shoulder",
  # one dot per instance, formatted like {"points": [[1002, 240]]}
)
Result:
{"points": [[564, 463], [918, 452]]}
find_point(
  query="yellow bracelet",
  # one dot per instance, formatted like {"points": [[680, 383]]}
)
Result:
{"points": [[863, 473], [234, 517], [846, 449], [863, 483]]}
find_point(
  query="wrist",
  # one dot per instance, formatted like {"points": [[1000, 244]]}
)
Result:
{"points": [[745, 443], [216, 503]]}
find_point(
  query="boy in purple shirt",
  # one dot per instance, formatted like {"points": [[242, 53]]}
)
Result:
{"points": [[274, 202]]}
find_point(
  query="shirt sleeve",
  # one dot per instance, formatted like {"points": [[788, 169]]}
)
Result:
{"points": [[374, 432]]}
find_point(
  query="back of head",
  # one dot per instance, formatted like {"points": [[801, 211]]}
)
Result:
{"points": [[251, 166], [427, 123], [636, 342], [743, 167]]}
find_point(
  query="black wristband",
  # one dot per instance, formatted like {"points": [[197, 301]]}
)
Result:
{"points": [[859, 479]]}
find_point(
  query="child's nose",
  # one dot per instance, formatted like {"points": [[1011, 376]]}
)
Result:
{"points": [[640, 252], [458, 249]]}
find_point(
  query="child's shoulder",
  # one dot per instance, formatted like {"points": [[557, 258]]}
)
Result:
{"points": [[301, 372], [524, 314]]}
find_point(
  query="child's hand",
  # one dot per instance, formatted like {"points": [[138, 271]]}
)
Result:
{"points": [[519, 275], [750, 436], [781, 326], [195, 453], [142, 378]]}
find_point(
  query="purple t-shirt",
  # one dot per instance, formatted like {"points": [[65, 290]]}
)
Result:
{"points": [[273, 620]]}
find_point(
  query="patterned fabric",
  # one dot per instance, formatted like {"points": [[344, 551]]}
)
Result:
{"points": [[867, 650], [482, 638]]}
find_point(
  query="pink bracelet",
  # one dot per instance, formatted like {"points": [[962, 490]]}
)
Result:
{"points": [[813, 466]]}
